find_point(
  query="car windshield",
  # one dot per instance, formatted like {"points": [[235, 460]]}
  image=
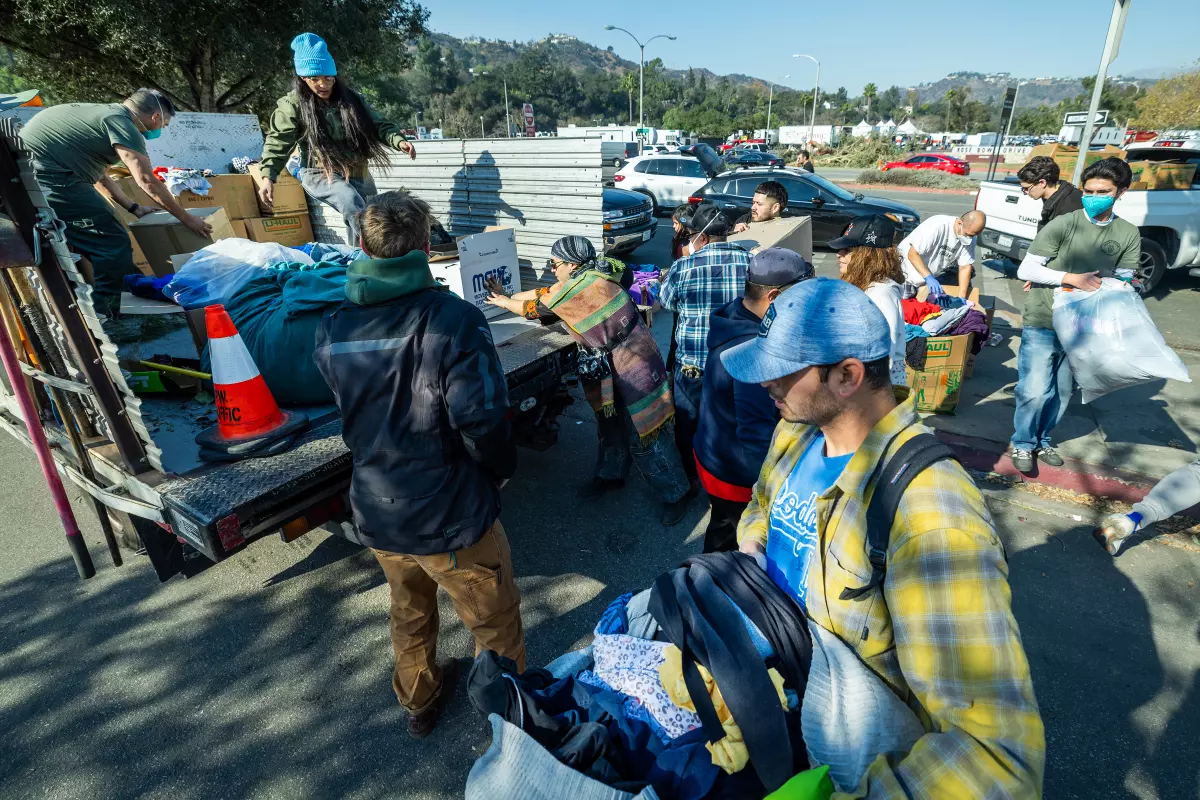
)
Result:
{"points": [[829, 186]]}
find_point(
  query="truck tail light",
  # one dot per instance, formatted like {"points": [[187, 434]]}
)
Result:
{"points": [[618, 178]]}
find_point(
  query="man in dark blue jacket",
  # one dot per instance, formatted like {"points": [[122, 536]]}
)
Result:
{"points": [[423, 400], [738, 419]]}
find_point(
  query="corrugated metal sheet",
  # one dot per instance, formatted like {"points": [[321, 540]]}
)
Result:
{"points": [[544, 188]]}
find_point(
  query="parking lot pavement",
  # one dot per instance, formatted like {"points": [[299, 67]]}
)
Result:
{"points": [[268, 675]]}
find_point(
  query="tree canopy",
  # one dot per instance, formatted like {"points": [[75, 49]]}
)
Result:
{"points": [[1171, 103], [216, 55]]}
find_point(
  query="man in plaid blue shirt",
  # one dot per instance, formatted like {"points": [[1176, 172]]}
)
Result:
{"points": [[711, 273]]}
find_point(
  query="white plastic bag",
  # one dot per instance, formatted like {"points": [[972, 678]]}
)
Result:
{"points": [[1110, 340], [214, 273]]}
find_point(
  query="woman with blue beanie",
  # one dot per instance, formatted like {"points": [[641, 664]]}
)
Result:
{"points": [[338, 135]]}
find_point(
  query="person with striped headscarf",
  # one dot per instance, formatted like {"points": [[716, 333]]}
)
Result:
{"points": [[620, 368]]}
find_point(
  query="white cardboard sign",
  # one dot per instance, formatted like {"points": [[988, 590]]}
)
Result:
{"points": [[492, 254]]}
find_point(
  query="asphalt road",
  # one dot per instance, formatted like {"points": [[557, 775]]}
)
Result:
{"points": [[268, 675]]}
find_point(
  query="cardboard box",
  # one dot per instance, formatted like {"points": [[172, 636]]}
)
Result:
{"points": [[938, 386], [790, 233], [162, 236], [239, 228], [289, 194], [948, 362], [234, 193], [1159, 175], [1066, 157], [492, 254], [292, 231]]}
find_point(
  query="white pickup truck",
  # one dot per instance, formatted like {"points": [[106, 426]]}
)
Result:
{"points": [[1168, 219]]}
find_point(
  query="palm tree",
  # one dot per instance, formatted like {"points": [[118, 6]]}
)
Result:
{"points": [[629, 82], [869, 92]]}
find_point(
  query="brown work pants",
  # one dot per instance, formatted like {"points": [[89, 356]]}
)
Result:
{"points": [[479, 580]]}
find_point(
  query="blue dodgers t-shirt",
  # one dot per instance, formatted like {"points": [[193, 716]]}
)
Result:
{"points": [[792, 539]]}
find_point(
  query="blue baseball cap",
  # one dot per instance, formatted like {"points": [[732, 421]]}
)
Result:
{"points": [[818, 321]]}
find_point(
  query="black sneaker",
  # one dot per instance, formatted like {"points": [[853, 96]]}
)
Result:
{"points": [[673, 513], [421, 725], [1048, 455], [600, 487]]}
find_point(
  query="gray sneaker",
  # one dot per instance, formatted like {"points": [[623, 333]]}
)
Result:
{"points": [[1023, 460], [1048, 455]]}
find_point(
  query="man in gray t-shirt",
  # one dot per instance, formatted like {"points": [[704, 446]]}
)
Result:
{"points": [[71, 146]]}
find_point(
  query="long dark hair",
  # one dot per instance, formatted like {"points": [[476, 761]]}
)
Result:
{"points": [[361, 143]]}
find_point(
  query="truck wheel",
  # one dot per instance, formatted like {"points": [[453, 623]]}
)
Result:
{"points": [[1152, 266]]}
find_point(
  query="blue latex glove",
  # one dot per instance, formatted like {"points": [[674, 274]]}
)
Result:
{"points": [[935, 286]]}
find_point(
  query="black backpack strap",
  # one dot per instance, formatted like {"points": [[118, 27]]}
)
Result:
{"points": [[891, 479]]}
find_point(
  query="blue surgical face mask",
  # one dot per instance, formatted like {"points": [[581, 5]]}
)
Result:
{"points": [[1096, 204], [154, 134], [157, 132]]}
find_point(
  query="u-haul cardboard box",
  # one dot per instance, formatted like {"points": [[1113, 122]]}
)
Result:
{"points": [[492, 254]]}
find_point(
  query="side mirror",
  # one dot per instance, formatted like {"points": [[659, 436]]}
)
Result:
{"points": [[818, 201]]}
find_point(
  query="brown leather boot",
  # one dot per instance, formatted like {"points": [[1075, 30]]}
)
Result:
{"points": [[421, 725]]}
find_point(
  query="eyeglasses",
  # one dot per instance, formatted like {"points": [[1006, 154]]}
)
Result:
{"points": [[1025, 189]]}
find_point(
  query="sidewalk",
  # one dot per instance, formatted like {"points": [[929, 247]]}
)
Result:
{"points": [[1117, 447]]}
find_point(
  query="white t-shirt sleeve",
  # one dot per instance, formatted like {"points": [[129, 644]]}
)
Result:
{"points": [[886, 297], [1033, 268], [929, 238], [966, 254]]}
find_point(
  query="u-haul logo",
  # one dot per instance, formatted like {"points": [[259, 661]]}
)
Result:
{"points": [[502, 274], [935, 349], [281, 224]]}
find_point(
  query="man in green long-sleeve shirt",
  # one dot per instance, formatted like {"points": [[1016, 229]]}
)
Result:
{"points": [[337, 132]]}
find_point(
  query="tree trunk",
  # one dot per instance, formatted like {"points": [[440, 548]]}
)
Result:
{"points": [[208, 80]]}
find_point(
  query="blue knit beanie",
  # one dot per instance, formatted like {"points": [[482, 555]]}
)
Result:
{"points": [[312, 56]]}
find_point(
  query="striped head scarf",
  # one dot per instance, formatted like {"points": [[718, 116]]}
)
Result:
{"points": [[575, 250]]}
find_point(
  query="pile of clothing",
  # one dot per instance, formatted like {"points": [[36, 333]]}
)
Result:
{"points": [[179, 180], [653, 705], [647, 282], [948, 316]]}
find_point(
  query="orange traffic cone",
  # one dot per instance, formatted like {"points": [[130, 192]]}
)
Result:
{"points": [[249, 421]]}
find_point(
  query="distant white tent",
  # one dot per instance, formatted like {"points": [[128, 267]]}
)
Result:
{"points": [[909, 129], [863, 129], [887, 127]]}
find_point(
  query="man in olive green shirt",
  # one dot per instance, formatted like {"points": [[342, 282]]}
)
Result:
{"points": [[71, 146], [1075, 250]]}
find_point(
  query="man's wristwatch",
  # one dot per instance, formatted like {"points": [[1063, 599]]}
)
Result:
{"points": [[133, 207]]}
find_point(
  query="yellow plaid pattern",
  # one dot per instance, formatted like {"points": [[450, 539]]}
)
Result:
{"points": [[940, 629]]}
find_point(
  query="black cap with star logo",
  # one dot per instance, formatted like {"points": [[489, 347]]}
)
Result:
{"points": [[871, 230]]}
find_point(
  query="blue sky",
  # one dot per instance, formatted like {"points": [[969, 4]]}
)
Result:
{"points": [[885, 42]]}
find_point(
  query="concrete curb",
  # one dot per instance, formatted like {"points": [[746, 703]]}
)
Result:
{"points": [[1081, 477], [890, 188]]}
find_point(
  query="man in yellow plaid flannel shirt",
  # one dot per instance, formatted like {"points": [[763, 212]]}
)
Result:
{"points": [[939, 630]]}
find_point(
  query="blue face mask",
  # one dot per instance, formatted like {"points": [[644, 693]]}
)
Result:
{"points": [[1096, 204], [157, 132], [154, 134]]}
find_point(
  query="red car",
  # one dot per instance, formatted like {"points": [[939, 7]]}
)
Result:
{"points": [[955, 166]]}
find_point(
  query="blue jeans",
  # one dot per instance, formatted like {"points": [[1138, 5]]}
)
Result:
{"points": [[1044, 386], [348, 196]]}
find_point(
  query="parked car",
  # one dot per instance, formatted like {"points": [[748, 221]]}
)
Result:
{"points": [[667, 179], [753, 158], [829, 206], [654, 149], [628, 221], [939, 161]]}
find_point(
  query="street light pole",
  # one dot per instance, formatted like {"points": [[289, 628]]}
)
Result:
{"points": [[482, 135], [507, 113], [1116, 26], [1013, 114], [816, 89], [641, 67], [770, 98]]}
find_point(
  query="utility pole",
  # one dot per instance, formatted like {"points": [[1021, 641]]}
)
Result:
{"points": [[482, 135], [1112, 43], [770, 98], [641, 67]]}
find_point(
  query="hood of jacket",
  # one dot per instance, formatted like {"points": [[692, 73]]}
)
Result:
{"points": [[731, 321], [378, 280]]}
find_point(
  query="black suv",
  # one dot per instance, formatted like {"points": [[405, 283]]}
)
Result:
{"points": [[828, 205]]}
